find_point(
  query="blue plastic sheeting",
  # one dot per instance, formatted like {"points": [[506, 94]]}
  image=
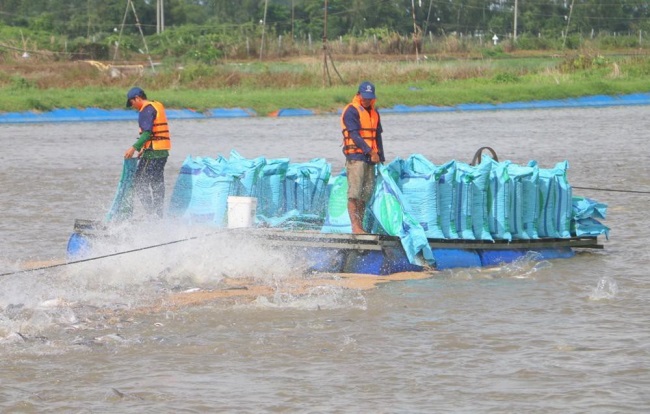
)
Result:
{"points": [[527, 105], [295, 112], [476, 107], [19, 117], [582, 102], [418, 108], [230, 113], [183, 114], [68, 115], [635, 99], [588, 101], [393, 218], [95, 114]]}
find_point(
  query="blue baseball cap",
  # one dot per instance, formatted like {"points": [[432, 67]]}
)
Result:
{"points": [[367, 90], [132, 93]]}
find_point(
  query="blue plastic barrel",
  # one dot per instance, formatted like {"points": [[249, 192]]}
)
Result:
{"points": [[496, 257], [451, 258], [366, 262], [324, 260], [557, 253], [395, 260], [78, 247]]}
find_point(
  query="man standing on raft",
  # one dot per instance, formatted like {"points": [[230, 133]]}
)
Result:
{"points": [[153, 147], [363, 149]]}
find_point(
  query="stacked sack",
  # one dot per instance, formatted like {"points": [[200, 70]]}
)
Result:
{"points": [[586, 216], [492, 200], [389, 214], [282, 188]]}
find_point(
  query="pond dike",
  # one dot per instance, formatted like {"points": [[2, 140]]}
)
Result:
{"points": [[97, 114]]}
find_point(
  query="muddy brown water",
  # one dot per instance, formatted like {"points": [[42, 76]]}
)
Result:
{"points": [[560, 336]]}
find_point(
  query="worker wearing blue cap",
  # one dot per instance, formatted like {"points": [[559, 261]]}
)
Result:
{"points": [[152, 148], [363, 149]]}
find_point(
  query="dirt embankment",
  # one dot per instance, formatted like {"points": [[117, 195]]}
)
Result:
{"points": [[45, 73], [65, 74]]}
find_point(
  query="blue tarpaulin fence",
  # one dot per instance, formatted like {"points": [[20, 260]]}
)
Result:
{"points": [[97, 114]]}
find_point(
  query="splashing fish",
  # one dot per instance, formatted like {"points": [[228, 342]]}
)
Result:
{"points": [[607, 288]]}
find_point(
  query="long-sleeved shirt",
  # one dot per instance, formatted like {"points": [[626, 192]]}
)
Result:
{"points": [[353, 125], [145, 121]]}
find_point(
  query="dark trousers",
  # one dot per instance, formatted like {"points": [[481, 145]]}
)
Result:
{"points": [[150, 184]]}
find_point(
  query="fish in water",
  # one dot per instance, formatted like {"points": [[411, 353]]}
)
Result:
{"points": [[125, 395]]}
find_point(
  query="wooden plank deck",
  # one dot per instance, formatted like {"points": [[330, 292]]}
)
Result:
{"points": [[370, 242], [307, 238]]}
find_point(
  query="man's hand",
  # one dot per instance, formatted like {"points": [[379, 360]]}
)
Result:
{"points": [[374, 157], [129, 153]]}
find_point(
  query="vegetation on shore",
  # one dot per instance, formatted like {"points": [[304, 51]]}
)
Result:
{"points": [[303, 83], [224, 54]]}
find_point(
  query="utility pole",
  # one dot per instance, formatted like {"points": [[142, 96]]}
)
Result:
{"points": [[426, 26], [568, 21], [129, 4], [160, 16], [415, 31], [266, 4], [326, 73], [326, 70], [514, 27], [88, 13]]}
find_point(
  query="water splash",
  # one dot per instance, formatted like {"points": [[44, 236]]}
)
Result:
{"points": [[130, 276], [606, 289], [523, 267], [316, 298]]}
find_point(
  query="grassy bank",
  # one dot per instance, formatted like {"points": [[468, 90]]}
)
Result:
{"points": [[266, 87]]}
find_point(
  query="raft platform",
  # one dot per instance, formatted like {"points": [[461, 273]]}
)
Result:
{"points": [[381, 254], [367, 253]]}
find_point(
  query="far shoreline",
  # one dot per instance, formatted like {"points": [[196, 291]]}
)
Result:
{"points": [[107, 115]]}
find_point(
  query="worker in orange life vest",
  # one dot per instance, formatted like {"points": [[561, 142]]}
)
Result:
{"points": [[363, 149], [152, 147]]}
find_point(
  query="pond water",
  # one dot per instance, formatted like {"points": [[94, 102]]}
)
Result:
{"points": [[560, 336]]}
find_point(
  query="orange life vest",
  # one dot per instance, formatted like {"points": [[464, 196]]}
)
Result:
{"points": [[369, 121], [160, 138]]}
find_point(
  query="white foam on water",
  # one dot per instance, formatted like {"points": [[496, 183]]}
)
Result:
{"points": [[606, 289], [526, 266], [523, 267], [137, 265], [182, 255], [316, 298]]}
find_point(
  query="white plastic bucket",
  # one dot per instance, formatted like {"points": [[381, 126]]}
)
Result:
{"points": [[241, 211]]}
